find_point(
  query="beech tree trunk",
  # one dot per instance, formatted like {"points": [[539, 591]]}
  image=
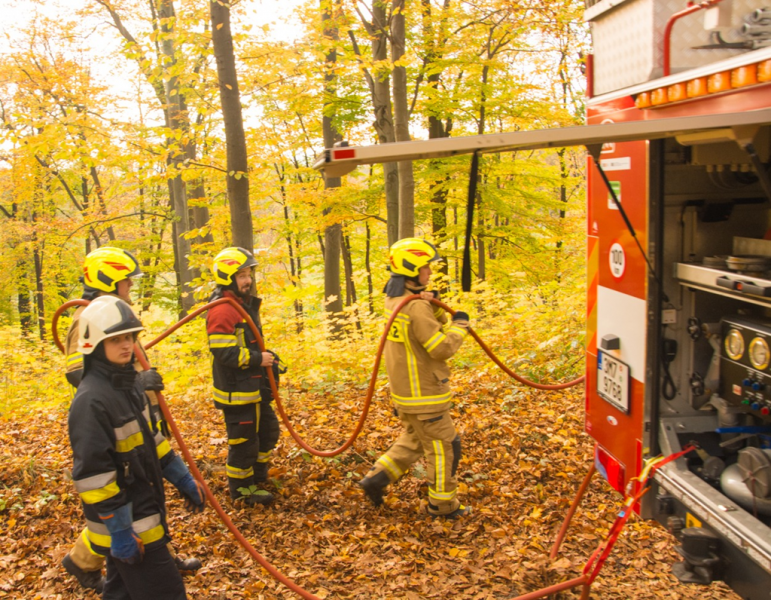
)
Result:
{"points": [[384, 124], [401, 122], [333, 233], [235, 139]]}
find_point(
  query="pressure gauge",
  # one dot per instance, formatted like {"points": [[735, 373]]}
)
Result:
{"points": [[759, 354], [734, 344]]}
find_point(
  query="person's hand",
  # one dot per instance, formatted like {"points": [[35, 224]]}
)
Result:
{"points": [[192, 493], [427, 296], [126, 546], [267, 359], [151, 380]]}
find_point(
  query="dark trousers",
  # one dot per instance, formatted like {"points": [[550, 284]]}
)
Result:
{"points": [[156, 577], [252, 434]]}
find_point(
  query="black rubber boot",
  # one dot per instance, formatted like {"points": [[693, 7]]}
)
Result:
{"points": [[260, 472], [258, 497], [90, 580], [187, 564], [374, 486], [459, 512]]}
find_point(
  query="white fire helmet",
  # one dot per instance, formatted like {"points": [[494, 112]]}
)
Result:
{"points": [[105, 317]]}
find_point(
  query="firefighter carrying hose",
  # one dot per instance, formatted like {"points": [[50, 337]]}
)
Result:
{"points": [[416, 352], [120, 459], [107, 271], [241, 387]]}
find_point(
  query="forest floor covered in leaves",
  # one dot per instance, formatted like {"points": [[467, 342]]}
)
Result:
{"points": [[525, 455]]}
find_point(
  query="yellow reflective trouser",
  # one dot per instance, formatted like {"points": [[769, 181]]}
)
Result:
{"points": [[431, 435], [87, 560], [83, 556]]}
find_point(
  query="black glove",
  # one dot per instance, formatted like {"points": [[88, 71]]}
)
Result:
{"points": [[151, 380], [434, 293], [279, 368], [460, 316]]}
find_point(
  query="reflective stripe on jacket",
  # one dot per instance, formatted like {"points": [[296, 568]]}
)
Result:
{"points": [[416, 352], [118, 456], [236, 356]]}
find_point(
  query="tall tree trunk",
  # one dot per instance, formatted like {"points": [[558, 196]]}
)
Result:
{"points": [[175, 163], [350, 288], [230, 98], [294, 267], [102, 204], [370, 288], [481, 263], [436, 128], [196, 190], [384, 124], [402, 121], [333, 233], [39, 298], [25, 313]]}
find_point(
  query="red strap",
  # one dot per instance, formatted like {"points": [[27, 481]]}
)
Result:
{"points": [[605, 547]]}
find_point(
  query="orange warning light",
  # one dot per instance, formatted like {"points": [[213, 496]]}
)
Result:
{"points": [[643, 100], [696, 87], [764, 71], [746, 75], [676, 92], [719, 82], [659, 96]]}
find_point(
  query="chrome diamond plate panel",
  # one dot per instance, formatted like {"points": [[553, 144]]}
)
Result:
{"points": [[628, 40]]}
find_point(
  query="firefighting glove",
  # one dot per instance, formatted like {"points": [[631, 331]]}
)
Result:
{"points": [[125, 544], [151, 380], [176, 472], [278, 366], [460, 316]]}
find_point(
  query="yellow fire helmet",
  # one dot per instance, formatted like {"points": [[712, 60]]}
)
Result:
{"points": [[229, 262], [407, 256], [105, 317], [106, 266]]}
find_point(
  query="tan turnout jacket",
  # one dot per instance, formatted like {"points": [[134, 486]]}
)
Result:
{"points": [[416, 352]]}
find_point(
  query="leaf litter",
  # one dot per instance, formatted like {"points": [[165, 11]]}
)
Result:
{"points": [[522, 464]]}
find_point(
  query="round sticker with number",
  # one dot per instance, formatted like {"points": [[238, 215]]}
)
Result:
{"points": [[617, 260]]}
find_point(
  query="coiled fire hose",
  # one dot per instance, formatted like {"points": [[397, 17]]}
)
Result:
{"points": [[279, 405], [372, 380]]}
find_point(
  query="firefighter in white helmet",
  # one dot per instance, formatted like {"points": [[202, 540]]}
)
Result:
{"points": [[107, 271], [241, 387], [416, 352], [120, 459]]}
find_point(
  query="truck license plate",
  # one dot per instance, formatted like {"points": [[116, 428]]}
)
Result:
{"points": [[613, 381]]}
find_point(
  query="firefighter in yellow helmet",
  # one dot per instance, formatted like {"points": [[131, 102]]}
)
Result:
{"points": [[107, 271], [241, 387], [418, 345]]}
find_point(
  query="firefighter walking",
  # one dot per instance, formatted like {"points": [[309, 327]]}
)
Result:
{"points": [[108, 271], [416, 352], [241, 388], [120, 459]]}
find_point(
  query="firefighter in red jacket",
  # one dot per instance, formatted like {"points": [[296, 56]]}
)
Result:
{"points": [[107, 271], [120, 459], [241, 387], [416, 352]]}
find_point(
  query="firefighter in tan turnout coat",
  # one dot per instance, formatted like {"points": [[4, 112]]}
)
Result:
{"points": [[416, 352]]}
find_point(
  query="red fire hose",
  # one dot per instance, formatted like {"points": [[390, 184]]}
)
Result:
{"points": [[372, 381], [279, 404]]}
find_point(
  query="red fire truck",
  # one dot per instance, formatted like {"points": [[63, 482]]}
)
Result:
{"points": [[678, 349]]}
